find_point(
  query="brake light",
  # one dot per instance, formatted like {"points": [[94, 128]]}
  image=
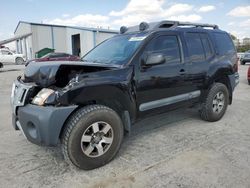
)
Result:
{"points": [[236, 66]]}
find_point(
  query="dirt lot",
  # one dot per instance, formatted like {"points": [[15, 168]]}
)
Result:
{"points": [[170, 150]]}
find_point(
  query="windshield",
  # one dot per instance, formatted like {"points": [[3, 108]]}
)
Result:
{"points": [[117, 50]]}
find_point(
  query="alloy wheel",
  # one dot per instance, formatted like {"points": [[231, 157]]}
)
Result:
{"points": [[97, 139], [218, 102]]}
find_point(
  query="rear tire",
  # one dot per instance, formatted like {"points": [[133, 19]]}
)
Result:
{"points": [[92, 137], [214, 106], [242, 63], [19, 61], [248, 82]]}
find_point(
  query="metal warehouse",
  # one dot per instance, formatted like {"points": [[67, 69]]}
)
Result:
{"points": [[32, 37]]}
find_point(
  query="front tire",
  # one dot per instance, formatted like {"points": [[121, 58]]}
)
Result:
{"points": [[92, 137], [19, 61], [214, 106]]}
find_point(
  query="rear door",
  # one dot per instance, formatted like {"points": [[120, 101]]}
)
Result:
{"points": [[200, 53], [159, 86]]}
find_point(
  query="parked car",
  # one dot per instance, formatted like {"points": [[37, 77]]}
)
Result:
{"points": [[248, 75], [245, 59], [55, 57], [240, 55], [7, 56], [145, 70]]}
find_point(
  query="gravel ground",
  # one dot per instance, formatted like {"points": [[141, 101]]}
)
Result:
{"points": [[176, 149]]}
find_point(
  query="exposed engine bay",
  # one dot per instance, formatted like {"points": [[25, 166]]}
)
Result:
{"points": [[58, 74]]}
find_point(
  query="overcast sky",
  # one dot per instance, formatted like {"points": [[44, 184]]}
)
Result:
{"points": [[231, 15]]}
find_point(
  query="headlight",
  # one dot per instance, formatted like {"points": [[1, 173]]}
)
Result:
{"points": [[42, 96]]}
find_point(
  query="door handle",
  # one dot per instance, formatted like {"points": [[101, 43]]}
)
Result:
{"points": [[182, 72]]}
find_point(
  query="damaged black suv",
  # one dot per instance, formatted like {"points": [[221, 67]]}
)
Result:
{"points": [[87, 106]]}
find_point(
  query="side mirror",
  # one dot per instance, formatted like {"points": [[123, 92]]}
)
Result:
{"points": [[154, 59]]}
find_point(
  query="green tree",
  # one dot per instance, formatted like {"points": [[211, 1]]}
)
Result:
{"points": [[233, 37]]}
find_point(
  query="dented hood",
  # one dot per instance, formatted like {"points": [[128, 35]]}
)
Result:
{"points": [[46, 74]]}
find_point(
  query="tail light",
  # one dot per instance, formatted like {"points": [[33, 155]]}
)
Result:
{"points": [[236, 66]]}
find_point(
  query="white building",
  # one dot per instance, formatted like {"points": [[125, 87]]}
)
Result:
{"points": [[32, 37], [246, 41]]}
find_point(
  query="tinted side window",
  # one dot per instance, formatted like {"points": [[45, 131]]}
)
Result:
{"points": [[56, 55], [168, 46], [195, 48], [4, 52], [64, 55], [206, 45], [224, 43]]}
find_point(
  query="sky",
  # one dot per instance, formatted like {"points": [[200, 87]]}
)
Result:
{"points": [[231, 15]]}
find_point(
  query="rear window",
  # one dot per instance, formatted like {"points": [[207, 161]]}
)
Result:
{"points": [[247, 55], [195, 48], [224, 43]]}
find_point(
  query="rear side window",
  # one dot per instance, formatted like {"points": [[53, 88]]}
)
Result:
{"points": [[195, 48], [224, 43], [167, 45], [206, 45]]}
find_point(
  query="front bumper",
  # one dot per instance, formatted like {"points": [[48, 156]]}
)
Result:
{"points": [[41, 125]]}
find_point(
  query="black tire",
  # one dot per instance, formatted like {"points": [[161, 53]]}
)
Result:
{"points": [[206, 112], [242, 63], [248, 82], [76, 127], [19, 61]]}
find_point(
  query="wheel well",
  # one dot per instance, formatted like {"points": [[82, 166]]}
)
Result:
{"points": [[19, 58], [114, 105]]}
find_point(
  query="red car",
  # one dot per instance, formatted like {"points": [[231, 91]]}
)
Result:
{"points": [[55, 57], [248, 75]]}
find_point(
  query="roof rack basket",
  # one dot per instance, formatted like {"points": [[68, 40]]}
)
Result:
{"points": [[164, 24]]}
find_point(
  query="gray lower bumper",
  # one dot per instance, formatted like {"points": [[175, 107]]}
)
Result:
{"points": [[42, 125]]}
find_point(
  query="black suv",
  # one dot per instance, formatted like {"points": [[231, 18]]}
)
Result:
{"points": [[87, 106]]}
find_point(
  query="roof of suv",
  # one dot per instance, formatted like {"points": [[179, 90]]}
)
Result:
{"points": [[169, 25]]}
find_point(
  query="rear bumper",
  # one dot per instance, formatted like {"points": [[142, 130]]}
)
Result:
{"points": [[41, 125], [234, 80]]}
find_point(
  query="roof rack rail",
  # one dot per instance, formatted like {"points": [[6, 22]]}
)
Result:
{"points": [[163, 24], [198, 25]]}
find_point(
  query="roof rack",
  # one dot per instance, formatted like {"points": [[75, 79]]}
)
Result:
{"points": [[197, 25], [163, 24]]}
